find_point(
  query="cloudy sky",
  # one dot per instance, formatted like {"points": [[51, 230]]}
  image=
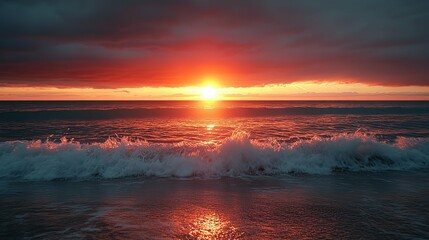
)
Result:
{"points": [[81, 49]]}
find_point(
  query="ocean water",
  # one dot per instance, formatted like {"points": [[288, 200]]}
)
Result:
{"points": [[214, 170]]}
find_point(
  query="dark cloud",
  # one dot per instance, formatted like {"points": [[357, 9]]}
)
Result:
{"points": [[173, 43]]}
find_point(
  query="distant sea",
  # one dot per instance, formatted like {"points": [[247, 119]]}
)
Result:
{"points": [[220, 169]]}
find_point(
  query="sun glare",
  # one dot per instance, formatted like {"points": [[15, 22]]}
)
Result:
{"points": [[208, 93]]}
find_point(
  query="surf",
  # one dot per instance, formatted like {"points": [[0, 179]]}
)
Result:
{"points": [[237, 155]]}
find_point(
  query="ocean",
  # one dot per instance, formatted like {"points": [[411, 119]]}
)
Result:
{"points": [[214, 170]]}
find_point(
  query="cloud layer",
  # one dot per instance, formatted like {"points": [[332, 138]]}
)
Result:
{"points": [[111, 44]]}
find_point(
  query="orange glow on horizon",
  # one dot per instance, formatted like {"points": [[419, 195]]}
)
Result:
{"points": [[210, 91]]}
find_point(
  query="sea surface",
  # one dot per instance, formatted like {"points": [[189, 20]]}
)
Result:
{"points": [[214, 170]]}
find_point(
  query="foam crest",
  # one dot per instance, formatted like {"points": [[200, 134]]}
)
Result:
{"points": [[236, 156]]}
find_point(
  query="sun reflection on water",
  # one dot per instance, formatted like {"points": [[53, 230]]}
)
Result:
{"points": [[213, 226], [210, 127]]}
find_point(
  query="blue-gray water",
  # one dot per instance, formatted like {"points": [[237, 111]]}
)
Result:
{"points": [[198, 170]]}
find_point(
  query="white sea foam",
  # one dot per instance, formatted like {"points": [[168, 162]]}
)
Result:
{"points": [[235, 156]]}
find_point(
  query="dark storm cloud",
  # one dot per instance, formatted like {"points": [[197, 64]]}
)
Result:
{"points": [[155, 43]]}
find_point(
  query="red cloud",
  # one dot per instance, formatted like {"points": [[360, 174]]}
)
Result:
{"points": [[152, 43]]}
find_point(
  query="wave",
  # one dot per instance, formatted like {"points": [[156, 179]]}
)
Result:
{"points": [[201, 112], [237, 155]]}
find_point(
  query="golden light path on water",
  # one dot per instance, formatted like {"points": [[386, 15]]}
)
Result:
{"points": [[212, 226]]}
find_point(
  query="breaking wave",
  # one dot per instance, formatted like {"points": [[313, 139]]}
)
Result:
{"points": [[235, 156]]}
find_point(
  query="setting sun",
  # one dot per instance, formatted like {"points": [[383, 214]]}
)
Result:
{"points": [[206, 119], [209, 93]]}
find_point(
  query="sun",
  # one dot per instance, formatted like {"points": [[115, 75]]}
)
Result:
{"points": [[209, 93]]}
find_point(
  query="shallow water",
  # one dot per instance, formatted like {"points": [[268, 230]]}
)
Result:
{"points": [[390, 205]]}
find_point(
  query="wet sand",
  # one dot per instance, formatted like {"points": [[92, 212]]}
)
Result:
{"points": [[389, 205]]}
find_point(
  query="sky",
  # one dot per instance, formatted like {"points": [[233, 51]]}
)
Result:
{"points": [[271, 49]]}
